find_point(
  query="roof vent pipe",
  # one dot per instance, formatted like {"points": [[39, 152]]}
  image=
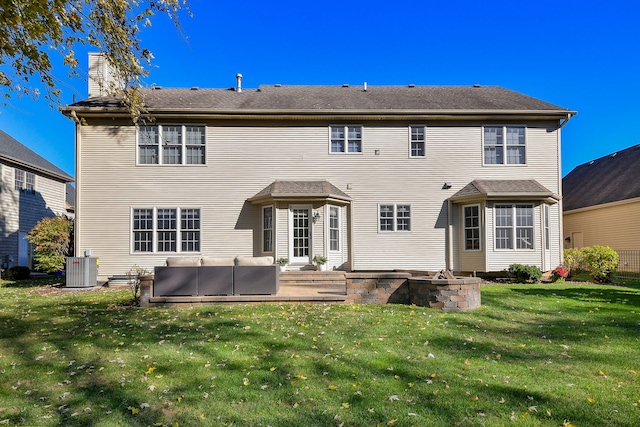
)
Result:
{"points": [[365, 86], [239, 82]]}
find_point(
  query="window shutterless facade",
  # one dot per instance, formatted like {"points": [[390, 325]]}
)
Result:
{"points": [[171, 145], [472, 228], [25, 181], [394, 217], [267, 229], [159, 230], [334, 228], [417, 141], [345, 139], [513, 226], [504, 145]]}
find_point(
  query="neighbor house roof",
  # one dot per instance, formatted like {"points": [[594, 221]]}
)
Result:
{"points": [[11, 150], [307, 190], [611, 178], [512, 189], [383, 100]]}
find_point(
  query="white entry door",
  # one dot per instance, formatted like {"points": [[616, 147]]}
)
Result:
{"points": [[300, 234]]}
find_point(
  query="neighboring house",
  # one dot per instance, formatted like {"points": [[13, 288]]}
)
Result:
{"points": [[373, 178], [31, 188], [602, 202]]}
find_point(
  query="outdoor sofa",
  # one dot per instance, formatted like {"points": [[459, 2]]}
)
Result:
{"points": [[195, 276]]}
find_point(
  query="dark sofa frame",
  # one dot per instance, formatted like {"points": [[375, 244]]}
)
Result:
{"points": [[216, 280]]}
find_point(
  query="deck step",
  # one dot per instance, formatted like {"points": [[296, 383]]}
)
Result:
{"points": [[313, 278]]}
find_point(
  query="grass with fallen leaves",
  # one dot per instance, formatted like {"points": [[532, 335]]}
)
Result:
{"points": [[532, 355]]}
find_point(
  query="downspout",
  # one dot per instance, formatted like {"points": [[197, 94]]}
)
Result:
{"points": [[449, 236], [569, 116], [77, 209]]}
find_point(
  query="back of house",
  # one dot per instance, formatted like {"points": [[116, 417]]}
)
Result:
{"points": [[369, 177]]}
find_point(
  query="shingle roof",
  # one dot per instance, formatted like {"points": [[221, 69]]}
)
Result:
{"points": [[301, 189], [516, 189], [608, 179], [13, 151], [336, 98]]}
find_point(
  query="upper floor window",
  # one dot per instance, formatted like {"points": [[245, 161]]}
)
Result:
{"points": [[171, 145], [417, 143], [394, 218], [159, 230], [346, 139], [514, 226], [472, 228], [504, 145], [25, 181]]}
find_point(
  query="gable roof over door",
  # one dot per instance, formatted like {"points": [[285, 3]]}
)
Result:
{"points": [[300, 191], [612, 178]]}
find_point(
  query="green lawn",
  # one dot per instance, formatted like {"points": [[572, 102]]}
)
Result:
{"points": [[532, 355]]}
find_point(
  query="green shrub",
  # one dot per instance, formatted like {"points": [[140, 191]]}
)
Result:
{"points": [[525, 273], [601, 261], [574, 260], [18, 272], [51, 238]]}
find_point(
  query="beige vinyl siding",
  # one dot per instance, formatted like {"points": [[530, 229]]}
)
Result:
{"points": [[242, 160], [615, 224]]}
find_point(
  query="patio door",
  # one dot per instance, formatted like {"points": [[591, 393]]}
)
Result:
{"points": [[300, 234]]}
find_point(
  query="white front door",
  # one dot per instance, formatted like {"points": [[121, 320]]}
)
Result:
{"points": [[300, 234]]}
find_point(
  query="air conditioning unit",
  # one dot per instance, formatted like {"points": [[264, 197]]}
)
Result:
{"points": [[82, 272]]}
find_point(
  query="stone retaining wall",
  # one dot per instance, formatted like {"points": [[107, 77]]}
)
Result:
{"points": [[378, 288], [460, 294]]}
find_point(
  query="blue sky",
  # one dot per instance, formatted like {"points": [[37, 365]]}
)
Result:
{"points": [[583, 56]]}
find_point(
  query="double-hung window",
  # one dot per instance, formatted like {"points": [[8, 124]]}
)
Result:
{"points": [[165, 230], [171, 145], [267, 229], [346, 139], [394, 217], [504, 145], [513, 226], [417, 142], [25, 181], [334, 228], [472, 228]]}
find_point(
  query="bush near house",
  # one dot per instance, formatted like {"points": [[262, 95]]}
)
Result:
{"points": [[18, 272], [525, 273], [51, 237], [599, 261]]}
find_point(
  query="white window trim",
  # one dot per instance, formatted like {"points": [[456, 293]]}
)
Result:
{"points": [[183, 153], [504, 145], [514, 227], [395, 218], [273, 223], [329, 228], [424, 156], [464, 228], [24, 181], [346, 141], [154, 238]]}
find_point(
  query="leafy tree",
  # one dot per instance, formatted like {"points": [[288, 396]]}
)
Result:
{"points": [[51, 239], [32, 30]]}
